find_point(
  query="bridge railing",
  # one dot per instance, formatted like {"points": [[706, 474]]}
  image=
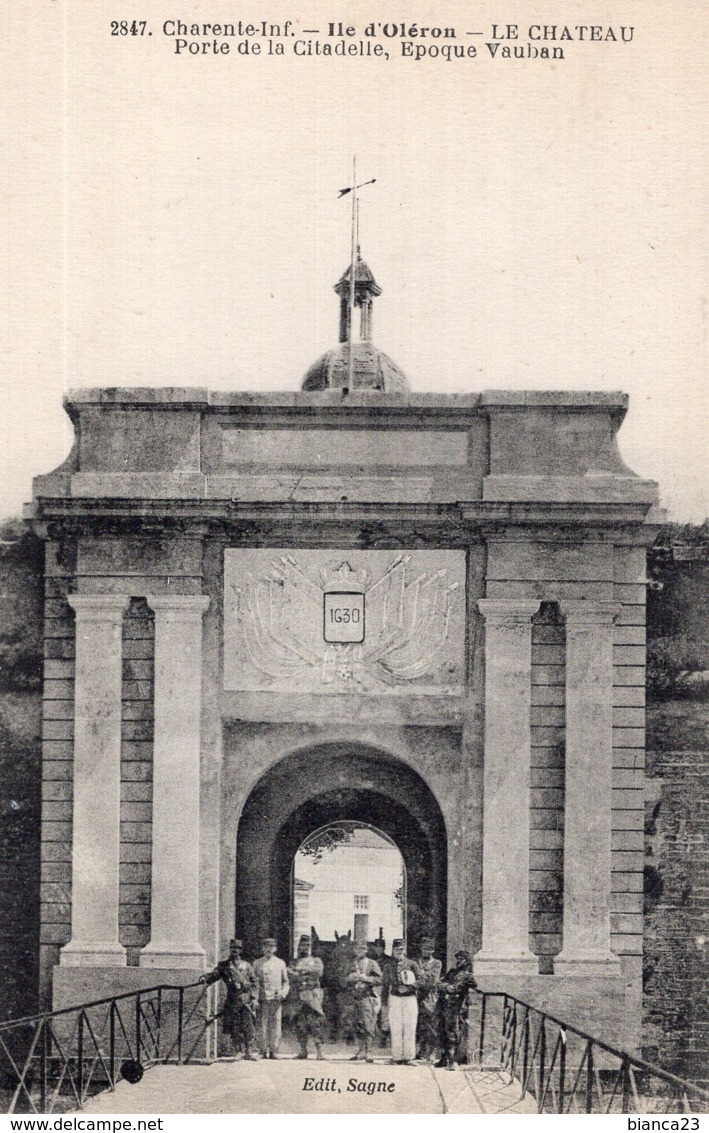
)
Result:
{"points": [[53, 1062], [566, 1070]]}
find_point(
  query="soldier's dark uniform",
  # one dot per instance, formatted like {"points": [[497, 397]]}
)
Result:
{"points": [[453, 994], [305, 974], [343, 1005], [427, 1026], [241, 984], [377, 952]]}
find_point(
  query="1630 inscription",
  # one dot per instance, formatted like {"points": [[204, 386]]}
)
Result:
{"points": [[353, 621]]}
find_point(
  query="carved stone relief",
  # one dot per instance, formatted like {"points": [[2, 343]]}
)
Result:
{"points": [[408, 608]]}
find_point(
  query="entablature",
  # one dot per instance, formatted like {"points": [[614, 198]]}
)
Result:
{"points": [[176, 448]]}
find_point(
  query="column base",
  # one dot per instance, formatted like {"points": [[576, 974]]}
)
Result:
{"points": [[92, 954], [490, 965], [164, 954], [595, 965]]}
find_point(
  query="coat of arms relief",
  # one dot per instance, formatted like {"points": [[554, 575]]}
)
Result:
{"points": [[344, 622]]}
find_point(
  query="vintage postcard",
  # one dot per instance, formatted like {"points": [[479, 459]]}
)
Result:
{"points": [[354, 687]]}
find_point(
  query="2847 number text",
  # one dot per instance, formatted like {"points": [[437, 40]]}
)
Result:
{"points": [[125, 27]]}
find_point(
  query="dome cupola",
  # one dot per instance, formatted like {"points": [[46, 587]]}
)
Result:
{"points": [[368, 368]]}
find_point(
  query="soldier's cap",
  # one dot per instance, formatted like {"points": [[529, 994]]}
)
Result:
{"points": [[234, 943], [397, 943], [305, 938], [461, 953], [427, 940], [269, 940]]}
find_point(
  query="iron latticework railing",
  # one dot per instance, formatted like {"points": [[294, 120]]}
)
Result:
{"points": [[54, 1062], [567, 1071]]}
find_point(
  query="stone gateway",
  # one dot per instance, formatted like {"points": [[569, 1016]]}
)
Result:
{"points": [[425, 613]]}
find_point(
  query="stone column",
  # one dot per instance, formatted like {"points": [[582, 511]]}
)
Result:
{"points": [[174, 938], [508, 694], [97, 782], [587, 820]]}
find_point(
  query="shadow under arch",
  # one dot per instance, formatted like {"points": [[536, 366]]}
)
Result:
{"points": [[315, 787]]}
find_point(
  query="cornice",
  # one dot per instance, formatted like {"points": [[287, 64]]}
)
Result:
{"points": [[305, 524]]}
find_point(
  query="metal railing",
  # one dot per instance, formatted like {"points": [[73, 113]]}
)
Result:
{"points": [[53, 1062], [565, 1070]]}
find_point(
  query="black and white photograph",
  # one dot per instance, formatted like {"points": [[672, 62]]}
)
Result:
{"points": [[354, 635]]}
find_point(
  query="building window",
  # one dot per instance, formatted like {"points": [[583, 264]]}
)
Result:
{"points": [[361, 902]]}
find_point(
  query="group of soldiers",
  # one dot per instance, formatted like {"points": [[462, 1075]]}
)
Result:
{"points": [[371, 994]]}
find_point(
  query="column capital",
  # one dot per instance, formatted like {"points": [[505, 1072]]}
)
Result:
{"points": [[98, 607], [184, 607], [508, 611], [584, 612]]}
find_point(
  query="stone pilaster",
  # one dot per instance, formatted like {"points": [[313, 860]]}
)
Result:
{"points": [[508, 663], [587, 819], [174, 939], [97, 782]]}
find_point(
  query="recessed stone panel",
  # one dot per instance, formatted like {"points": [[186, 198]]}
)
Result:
{"points": [[275, 605], [321, 448]]}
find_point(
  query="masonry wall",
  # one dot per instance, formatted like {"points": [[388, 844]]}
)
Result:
{"points": [[546, 855], [596, 571], [20, 759], [629, 591], [57, 758], [99, 565], [676, 1021], [136, 778], [675, 968]]}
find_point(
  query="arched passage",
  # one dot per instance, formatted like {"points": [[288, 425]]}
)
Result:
{"points": [[318, 786], [348, 878]]}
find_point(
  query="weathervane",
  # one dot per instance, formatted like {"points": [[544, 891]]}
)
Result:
{"points": [[353, 259]]}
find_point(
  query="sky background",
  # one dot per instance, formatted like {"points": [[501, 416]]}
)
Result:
{"points": [[175, 220]]}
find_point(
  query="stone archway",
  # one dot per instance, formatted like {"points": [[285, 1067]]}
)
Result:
{"points": [[328, 783]]}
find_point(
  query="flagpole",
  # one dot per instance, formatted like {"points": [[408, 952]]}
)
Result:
{"points": [[353, 253]]}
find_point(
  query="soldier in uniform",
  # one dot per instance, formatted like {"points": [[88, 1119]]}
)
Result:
{"points": [[273, 988], [427, 1027], [343, 1008], [239, 1011], [305, 975], [378, 953], [365, 981], [453, 998]]}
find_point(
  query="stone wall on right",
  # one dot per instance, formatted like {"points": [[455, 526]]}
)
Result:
{"points": [[676, 927]]}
